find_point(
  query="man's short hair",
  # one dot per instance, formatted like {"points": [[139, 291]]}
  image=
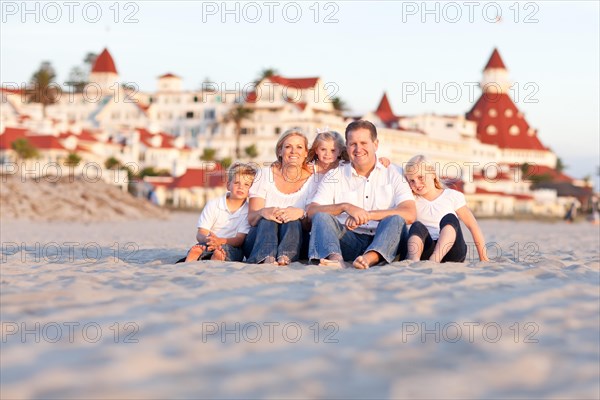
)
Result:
{"points": [[362, 124]]}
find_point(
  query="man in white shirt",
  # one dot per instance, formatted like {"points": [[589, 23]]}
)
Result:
{"points": [[361, 208]]}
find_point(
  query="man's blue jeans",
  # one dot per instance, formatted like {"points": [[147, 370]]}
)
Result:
{"points": [[328, 236]]}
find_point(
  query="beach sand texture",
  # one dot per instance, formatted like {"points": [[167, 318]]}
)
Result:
{"points": [[525, 325]]}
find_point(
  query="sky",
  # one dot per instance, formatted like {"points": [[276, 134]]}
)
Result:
{"points": [[426, 56]]}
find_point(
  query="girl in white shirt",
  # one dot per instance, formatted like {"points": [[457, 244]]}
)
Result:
{"points": [[436, 234]]}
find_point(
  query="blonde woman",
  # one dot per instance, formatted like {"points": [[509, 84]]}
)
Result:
{"points": [[277, 207]]}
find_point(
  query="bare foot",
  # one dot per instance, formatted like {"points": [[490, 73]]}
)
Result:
{"points": [[219, 255], [367, 260], [195, 253], [269, 260], [283, 260], [333, 260]]}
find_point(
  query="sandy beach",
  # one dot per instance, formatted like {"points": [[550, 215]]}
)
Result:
{"points": [[99, 310]]}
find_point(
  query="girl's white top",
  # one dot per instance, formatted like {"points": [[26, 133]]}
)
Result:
{"points": [[264, 188], [430, 213]]}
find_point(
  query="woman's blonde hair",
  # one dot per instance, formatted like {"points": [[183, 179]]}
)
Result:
{"points": [[419, 163], [283, 138], [338, 140]]}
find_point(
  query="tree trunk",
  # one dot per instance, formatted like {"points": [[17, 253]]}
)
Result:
{"points": [[238, 135]]}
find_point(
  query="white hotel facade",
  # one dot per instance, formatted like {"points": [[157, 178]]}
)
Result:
{"points": [[169, 129]]}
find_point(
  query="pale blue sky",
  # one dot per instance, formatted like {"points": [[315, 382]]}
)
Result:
{"points": [[373, 46]]}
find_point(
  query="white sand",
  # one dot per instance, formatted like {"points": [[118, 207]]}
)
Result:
{"points": [[367, 351]]}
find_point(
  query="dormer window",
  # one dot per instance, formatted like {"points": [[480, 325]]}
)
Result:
{"points": [[491, 130]]}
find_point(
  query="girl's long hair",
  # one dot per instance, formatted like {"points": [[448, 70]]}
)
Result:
{"points": [[419, 163], [338, 140]]}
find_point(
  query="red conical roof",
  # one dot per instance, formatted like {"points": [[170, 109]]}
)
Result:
{"points": [[104, 63], [495, 61], [500, 123], [384, 111], [168, 75]]}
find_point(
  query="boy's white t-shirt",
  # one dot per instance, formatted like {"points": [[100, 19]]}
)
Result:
{"points": [[264, 188], [217, 218], [430, 213]]}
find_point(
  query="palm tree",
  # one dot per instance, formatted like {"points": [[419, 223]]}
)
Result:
{"points": [[226, 162], [78, 77], [42, 90], [77, 80], [267, 73], [560, 166], [112, 163], [208, 154], [251, 151], [237, 115], [72, 160], [339, 104], [24, 149]]}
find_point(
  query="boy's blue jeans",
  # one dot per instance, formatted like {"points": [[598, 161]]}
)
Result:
{"points": [[328, 236], [270, 239]]}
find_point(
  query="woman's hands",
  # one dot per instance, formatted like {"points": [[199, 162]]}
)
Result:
{"points": [[282, 215], [270, 213]]}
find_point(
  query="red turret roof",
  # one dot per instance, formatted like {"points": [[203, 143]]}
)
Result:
{"points": [[104, 63], [495, 61], [384, 111], [297, 83], [168, 75], [500, 123]]}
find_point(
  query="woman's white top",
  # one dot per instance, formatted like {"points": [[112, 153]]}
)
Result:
{"points": [[430, 213], [264, 188]]}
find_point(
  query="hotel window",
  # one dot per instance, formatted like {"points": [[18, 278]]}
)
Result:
{"points": [[514, 130], [209, 113], [491, 130], [277, 130], [195, 99], [189, 114], [492, 112], [508, 113]]}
